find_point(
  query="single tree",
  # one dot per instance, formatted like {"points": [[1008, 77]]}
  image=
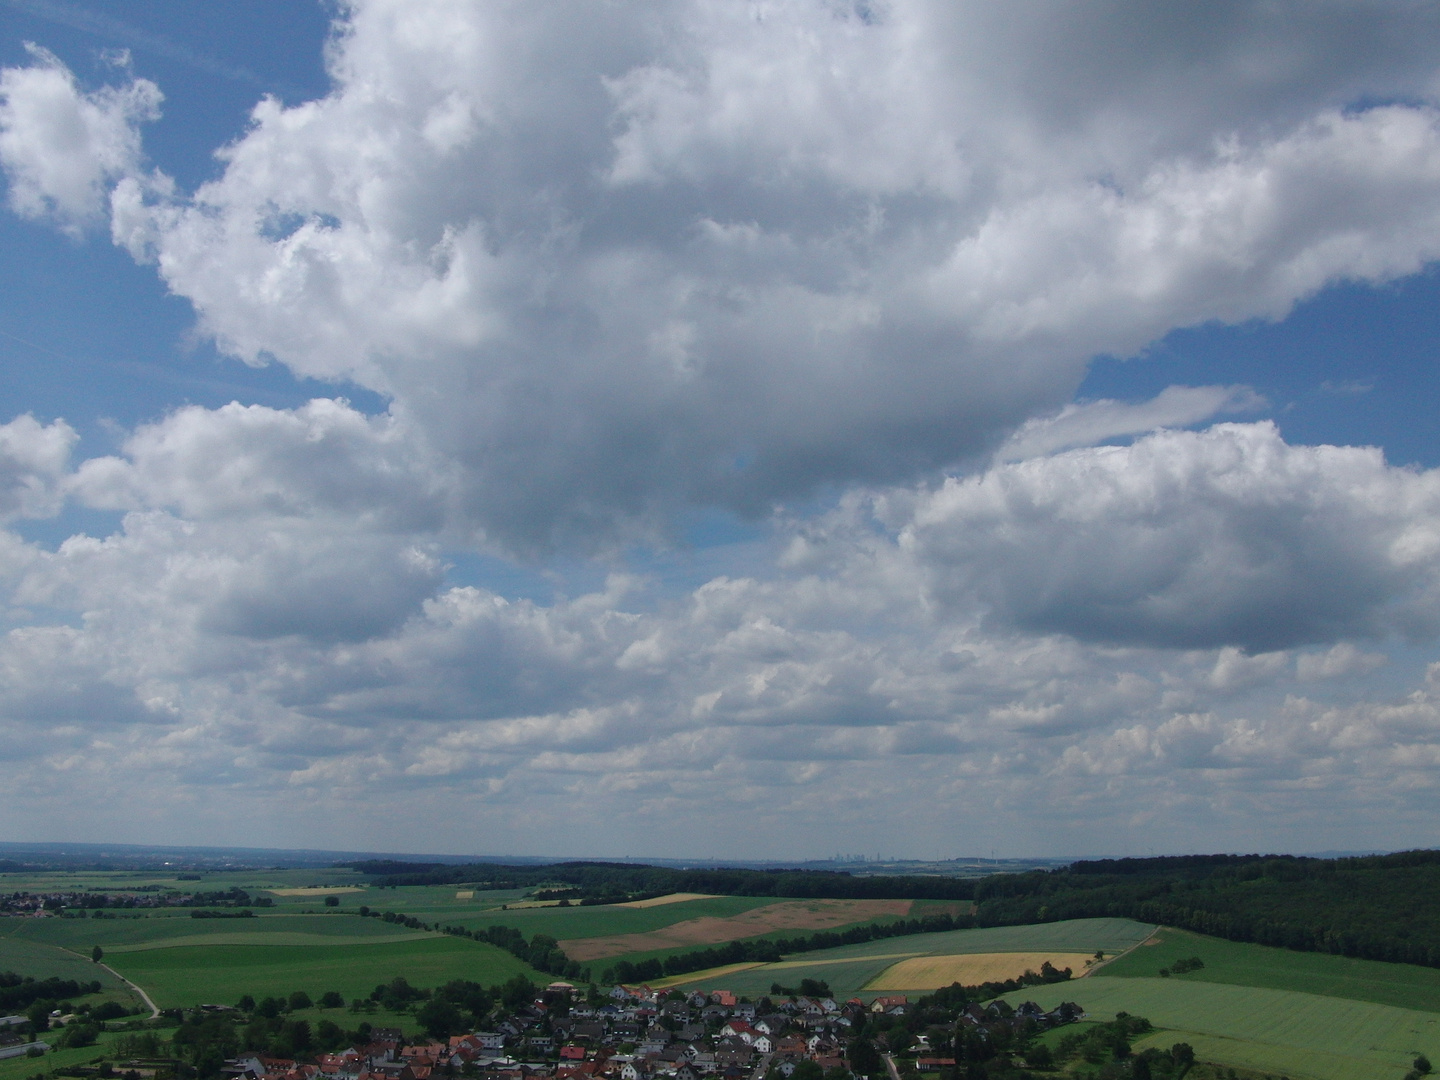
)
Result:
{"points": [[864, 1058], [95, 954], [439, 1018]]}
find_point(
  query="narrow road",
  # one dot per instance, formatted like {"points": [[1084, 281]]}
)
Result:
{"points": [[154, 1009], [890, 1066], [1124, 952]]}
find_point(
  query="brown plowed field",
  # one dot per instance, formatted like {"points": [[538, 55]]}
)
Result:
{"points": [[787, 915]]}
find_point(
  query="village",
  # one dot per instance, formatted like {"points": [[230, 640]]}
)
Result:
{"points": [[645, 1034]]}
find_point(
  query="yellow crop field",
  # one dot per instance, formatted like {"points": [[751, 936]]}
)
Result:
{"points": [[317, 890], [970, 969], [668, 898]]}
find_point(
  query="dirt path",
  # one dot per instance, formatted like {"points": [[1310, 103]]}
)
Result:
{"points": [[154, 1009], [1153, 939]]}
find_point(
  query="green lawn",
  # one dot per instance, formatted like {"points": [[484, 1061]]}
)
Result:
{"points": [[1235, 962], [220, 974], [1279, 1031]]}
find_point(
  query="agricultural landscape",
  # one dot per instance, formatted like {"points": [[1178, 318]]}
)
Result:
{"points": [[616, 968]]}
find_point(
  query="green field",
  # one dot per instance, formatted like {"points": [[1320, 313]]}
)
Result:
{"points": [[1279, 1031], [1404, 985], [120, 934], [41, 961], [18, 1068], [220, 974], [597, 921], [850, 967]]}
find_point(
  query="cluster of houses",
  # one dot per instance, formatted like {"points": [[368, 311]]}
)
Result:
{"points": [[638, 1034], [73, 904]]}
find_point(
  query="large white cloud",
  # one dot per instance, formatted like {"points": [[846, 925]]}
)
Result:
{"points": [[34, 458], [1230, 536], [62, 148], [613, 263]]}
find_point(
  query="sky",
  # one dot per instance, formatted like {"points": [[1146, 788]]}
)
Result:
{"points": [[764, 430]]}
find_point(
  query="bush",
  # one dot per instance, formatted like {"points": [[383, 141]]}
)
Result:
{"points": [[77, 1034]]}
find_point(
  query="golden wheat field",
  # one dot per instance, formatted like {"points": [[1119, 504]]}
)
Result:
{"points": [[971, 969]]}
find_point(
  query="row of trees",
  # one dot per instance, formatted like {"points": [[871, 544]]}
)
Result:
{"points": [[770, 950], [18, 993], [270, 1026], [1377, 907]]}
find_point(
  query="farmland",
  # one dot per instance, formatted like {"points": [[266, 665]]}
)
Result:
{"points": [[1249, 1006], [166, 930], [969, 969], [770, 918], [1279, 1031], [192, 975], [852, 968], [1404, 985]]}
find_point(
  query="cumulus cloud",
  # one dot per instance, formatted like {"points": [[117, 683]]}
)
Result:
{"points": [[1224, 537], [612, 264], [34, 458], [608, 266], [1091, 422], [61, 147]]}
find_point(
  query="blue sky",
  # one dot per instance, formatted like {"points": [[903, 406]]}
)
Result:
{"points": [[426, 419]]}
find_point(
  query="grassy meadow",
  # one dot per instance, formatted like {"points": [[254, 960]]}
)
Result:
{"points": [[164, 930], [1301, 1015], [220, 974], [1237, 963], [1279, 1031], [850, 969], [569, 923]]}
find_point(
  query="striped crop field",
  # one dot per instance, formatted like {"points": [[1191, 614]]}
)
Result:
{"points": [[1279, 1031]]}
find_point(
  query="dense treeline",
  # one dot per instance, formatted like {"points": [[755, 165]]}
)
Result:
{"points": [[769, 951], [542, 952], [599, 882], [18, 994], [1377, 907]]}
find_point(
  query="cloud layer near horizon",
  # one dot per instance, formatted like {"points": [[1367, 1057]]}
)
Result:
{"points": [[611, 267]]}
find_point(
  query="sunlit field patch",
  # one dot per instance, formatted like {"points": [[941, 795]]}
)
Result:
{"points": [[668, 898], [970, 969]]}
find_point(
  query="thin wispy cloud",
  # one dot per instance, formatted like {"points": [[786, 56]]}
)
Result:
{"points": [[119, 32]]}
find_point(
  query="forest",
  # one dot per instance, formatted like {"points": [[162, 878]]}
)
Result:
{"points": [[1377, 907]]}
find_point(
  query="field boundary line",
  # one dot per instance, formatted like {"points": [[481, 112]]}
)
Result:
{"points": [[1125, 952], [154, 1009]]}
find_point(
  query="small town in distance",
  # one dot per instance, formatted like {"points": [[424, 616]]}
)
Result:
{"points": [[1207, 966]]}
